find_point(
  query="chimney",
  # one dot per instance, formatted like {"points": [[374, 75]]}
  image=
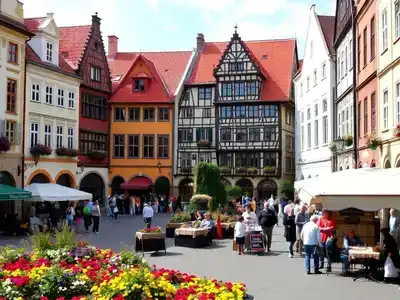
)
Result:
{"points": [[312, 8], [50, 16], [200, 42], [96, 20], [112, 46]]}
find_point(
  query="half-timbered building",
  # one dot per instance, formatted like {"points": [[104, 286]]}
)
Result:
{"points": [[236, 111]]}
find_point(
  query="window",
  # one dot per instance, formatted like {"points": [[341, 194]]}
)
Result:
{"points": [[94, 107], [365, 46], [288, 117], [351, 54], [345, 56], [49, 95], [186, 160], [253, 111], [236, 66], [34, 134], [316, 110], [240, 111], [309, 135], [241, 134], [308, 83], [343, 70], [226, 112], [226, 159], [148, 114], [205, 93], [59, 136], [119, 145], [95, 74], [339, 71], [252, 88], [119, 114], [11, 131], [372, 42], [49, 52], [385, 109], [206, 113], [163, 114], [11, 95], [148, 146], [270, 133], [309, 114], [47, 135], [204, 134], [323, 70], [254, 134], [60, 98], [301, 89], [12, 53], [205, 157], [324, 129], [187, 113], [324, 106], [365, 116], [397, 18], [35, 92], [373, 113], [226, 134], [315, 77], [384, 30], [311, 49], [71, 100], [134, 114], [92, 141], [239, 89], [398, 102], [139, 85], [133, 146], [70, 139], [163, 146], [185, 135], [226, 90], [316, 133], [359, 119], [302, 137], [302, 117], [359, 53]]}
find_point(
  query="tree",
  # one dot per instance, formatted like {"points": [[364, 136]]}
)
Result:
{"points": [[234, 192], [287, 189], [208, 181]]}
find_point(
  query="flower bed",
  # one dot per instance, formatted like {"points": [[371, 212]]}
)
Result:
{"points": [[89, 273]]}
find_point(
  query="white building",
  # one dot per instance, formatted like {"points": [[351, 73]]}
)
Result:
{"points": [[52, 108], [314, 85]]}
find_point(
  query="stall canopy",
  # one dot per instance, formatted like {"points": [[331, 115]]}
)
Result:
{"points": [[55, 193], [137, 183], [368, 189], [12, 193]]}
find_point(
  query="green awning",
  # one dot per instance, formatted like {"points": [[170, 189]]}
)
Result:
{"points": [[8, 192]]}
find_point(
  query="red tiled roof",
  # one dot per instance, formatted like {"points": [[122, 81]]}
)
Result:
{"points": [[73, 41], [169, 65], [62, 67], [274, 56], [33, 23], [15, 25], [328, 27]]}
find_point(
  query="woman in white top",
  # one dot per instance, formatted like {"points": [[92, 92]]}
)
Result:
{"points": [[240, 230], [249, 216]]}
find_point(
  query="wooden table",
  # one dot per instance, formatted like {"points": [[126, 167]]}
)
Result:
{"points": [[147, 242], [365, 255], [228, 230], [192, 237]]}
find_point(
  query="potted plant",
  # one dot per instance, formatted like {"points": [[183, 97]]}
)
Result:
{"points": [[241, 170], [201, 201], [204, 143], [39, 150], [348, 140], [63, 151], [225, 170], [373, 142], [396, 131], [97, 154], [186, 169], [252, 171], [269, 170], [5, 144]]}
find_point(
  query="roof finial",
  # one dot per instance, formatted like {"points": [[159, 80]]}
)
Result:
{"points": [[236, 27], [96, 13]]}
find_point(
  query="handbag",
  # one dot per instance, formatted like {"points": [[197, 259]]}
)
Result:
{"points": [[390, 269], [234, 245]]}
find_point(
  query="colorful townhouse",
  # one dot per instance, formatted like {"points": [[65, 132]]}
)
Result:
{"points": [[83, 49], [13, 35], [52, 108], [237, 110], [388, 59], [145, 88], [367, 84]]}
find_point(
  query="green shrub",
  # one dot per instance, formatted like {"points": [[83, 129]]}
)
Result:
{"points": [[287, 189], [234, 191], [180, 217], [65, 239], [41, 241]]}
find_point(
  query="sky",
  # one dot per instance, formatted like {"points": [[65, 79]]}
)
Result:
{"points": [[163, 25]]}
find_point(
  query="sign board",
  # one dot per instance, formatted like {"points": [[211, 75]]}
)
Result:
{"points": [[256, 242], [351, 211]]}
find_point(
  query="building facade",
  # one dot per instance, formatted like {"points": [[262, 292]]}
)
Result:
{"points": [[145, 86], [83, 49], [367, 83], [13, 35], [314, 86], [388, 54], [52, 108], [236, 112], [343, 111]]}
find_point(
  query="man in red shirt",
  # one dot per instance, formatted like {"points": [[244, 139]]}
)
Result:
{"points": [[326, 224]]}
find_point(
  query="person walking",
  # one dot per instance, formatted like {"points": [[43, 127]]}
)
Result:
{"points": [[148, 214], [96, 213], [394, 222], [311, 237], [70, 214], [290, 231], [300, 220], [267, 220], [326, 224], [87, 215]]}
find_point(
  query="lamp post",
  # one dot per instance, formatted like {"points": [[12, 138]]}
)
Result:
{"points": [[337, 146]]}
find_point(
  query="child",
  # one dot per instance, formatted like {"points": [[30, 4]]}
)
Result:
{"points": [[239, 234]]}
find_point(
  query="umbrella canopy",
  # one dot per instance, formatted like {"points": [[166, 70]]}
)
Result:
{"points": [[55, 193], [8, 192]]}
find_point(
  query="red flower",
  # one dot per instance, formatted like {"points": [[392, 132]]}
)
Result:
{"points": [[45, 298]]}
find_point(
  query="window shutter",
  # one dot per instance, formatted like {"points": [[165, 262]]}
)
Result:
{"points": [[197, 134], [19, 133], [210, 134]]}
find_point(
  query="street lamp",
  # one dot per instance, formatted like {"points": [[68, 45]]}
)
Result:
{"points": [[337, 144], [159, 166]]}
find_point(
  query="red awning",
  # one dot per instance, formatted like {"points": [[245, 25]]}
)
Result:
{"points": [[137, 183]]}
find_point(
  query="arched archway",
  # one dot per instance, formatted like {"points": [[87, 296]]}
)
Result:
{"points": [[65, 180], [186, 189], [225, 182], [373, 164], [398, 164], [93, 183], [162, 186], [266, 189], [6, 178], [387, 164], [116, 185], [40, 178], [309, 176], [247, 186]]}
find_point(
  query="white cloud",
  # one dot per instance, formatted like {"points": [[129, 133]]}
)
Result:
{"points": [[153, 4]]}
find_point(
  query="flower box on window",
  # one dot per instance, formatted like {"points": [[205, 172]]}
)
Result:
{"points": [[4, 144], [396, 131], [348, 140], [62, 151], [373, 142], [186, 169], [269, 170], [40, 150], [252, 171], [241, 170], [204, 143], [225, 170], [97, 154]]}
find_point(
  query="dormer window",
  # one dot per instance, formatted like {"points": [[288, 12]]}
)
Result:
{"points": [[236, 66], [49, 52], [139, 85]]}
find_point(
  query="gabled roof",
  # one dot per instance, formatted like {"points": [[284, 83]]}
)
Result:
{"points": [[276, 57], [73, 40], [15, 25], [170, 66], [33, 23], [327, 24]]}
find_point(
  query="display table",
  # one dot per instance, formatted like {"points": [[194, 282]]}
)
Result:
{"points": [[148, 242], [170, 229], [368, 257], [192, 237], [228, 230]]}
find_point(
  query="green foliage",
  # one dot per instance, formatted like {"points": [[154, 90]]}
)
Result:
{"points": [[41, 241], [130, 258], [234, 191], [180, 217], [191, 208], [11, 253], [287, 188], [65, 239]]}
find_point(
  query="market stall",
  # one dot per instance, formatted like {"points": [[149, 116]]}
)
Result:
{"points": [[55, 193], [192, 237]]}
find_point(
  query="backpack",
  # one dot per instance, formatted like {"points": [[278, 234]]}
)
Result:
{"points": [[86, 211]]}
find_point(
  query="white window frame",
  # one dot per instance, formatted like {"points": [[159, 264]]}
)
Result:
{"points": [[309, 133], [315, 77], [323, 70], [342, 65], [385, 110], [34, 133], [350, 54], [397, 18], [60, 97], [397, 91], [49, 51], [60, 130], [301, 89], [70, 140], [35, 92], [316, 133], [71, 100], [308, 84], [48, 129], [384, 30], [49, 95]]}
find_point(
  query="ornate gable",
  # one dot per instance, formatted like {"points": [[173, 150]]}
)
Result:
{"points": [[344, 11]]}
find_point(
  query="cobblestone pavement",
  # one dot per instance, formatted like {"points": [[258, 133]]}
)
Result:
{"points": [[269, 276]]}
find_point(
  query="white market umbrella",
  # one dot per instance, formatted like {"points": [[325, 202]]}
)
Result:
{"points": [[55, 193]]}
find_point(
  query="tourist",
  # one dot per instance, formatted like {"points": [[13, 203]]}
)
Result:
{"points": [[199, 216], [326, 224], [148, 214], [300, 220], [297, 206], [311, 237], [290, 230], [70, 214], [394, 224], [207, 222], [113, 205], [287, 208], [390, 247], [162, 203], [155, 205], [87, 215], [249, 216], [351, 239], [267, 220], [96, 213], [253, 204], [240, 230]]}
